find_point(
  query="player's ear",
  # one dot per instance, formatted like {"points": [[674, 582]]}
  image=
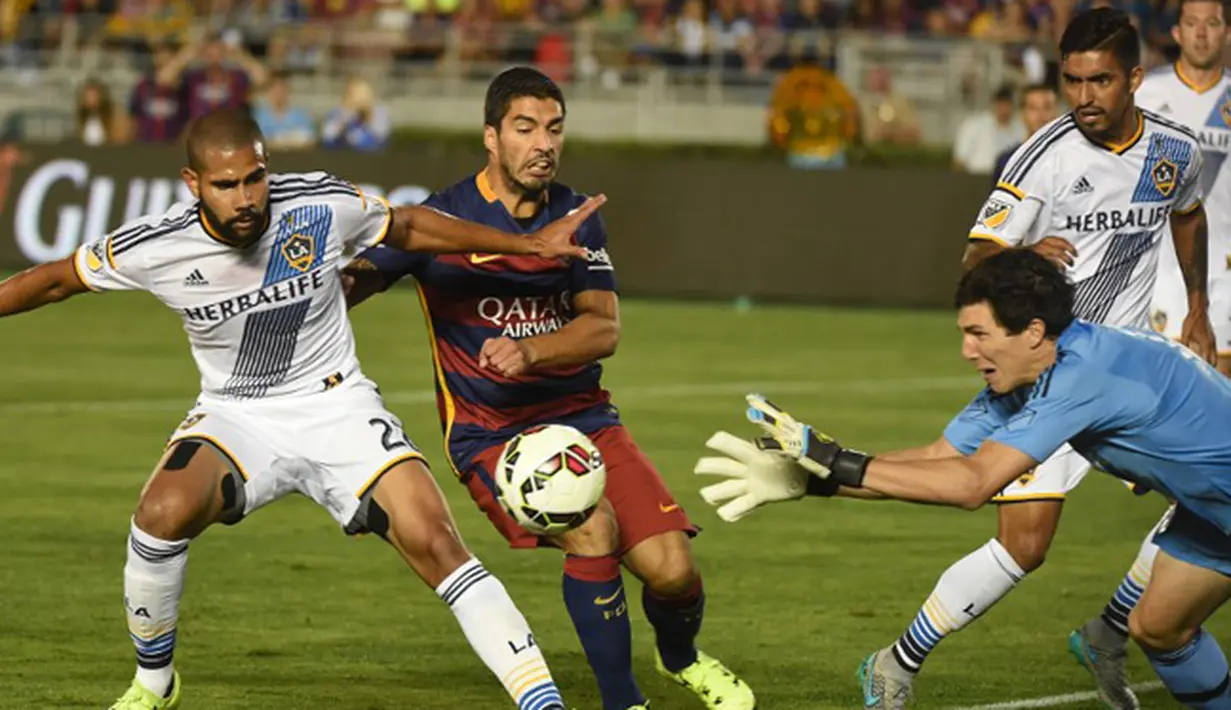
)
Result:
{"points": [[489, 138], [1134, 78], [192, 180], [1175, 33], [1037, 330]]}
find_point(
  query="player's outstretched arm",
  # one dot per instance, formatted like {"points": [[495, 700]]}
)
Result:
{"points": [[939, 475], [38, 286], [423, 229], [1190, 234], [962, 481]]}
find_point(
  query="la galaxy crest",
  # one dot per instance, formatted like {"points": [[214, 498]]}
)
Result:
{"points": [[1220, 116], [1165, 162], [299, 250], [1165, 174]]}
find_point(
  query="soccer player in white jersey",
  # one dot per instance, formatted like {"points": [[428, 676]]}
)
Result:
{"points": [[1196, 92], [252, 267], [1093, 190]]}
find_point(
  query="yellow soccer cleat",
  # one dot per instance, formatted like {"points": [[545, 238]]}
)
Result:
{"points": [[139, 697], [714, 683]]}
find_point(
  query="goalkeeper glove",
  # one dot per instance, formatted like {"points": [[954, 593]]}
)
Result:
{"points": [[815, 451], [754, 477]]}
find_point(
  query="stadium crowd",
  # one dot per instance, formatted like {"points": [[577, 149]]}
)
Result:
{"points": [[197, 55]]}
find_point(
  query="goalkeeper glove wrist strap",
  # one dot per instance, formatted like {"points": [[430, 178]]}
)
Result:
{"points": [[846, 466], [849, 467]]}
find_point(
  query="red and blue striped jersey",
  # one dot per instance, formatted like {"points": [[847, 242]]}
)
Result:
{"points": [[469, 298]]}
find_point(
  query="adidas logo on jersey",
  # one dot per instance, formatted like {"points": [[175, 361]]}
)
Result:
{"points": [[196, 279], [1083, 186]]}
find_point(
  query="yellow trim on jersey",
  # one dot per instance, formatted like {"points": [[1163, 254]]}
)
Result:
{"points": [[209, 229], [1179, 74], [988, 238], [1190, 210], [384, 232], [78, 272], [1123, 147], [1011, 189], [485, 187], [363, 490], [450, 410], [1028, 497], [218, 445], [110, 256]]}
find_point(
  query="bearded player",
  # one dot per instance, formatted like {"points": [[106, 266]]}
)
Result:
{"points": [[516, 342]]}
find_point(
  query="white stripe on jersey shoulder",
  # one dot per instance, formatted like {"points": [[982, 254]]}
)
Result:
{"points": [[284, 187], [1028, 155], [1168, 124], [179, 217]]}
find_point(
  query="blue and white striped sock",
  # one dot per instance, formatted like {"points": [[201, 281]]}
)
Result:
{"points": [[1115, 614], [967, 589], [500, 636], [153, 584]]}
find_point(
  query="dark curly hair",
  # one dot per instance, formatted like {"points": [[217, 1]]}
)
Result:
{"points": [[1019, 286]]}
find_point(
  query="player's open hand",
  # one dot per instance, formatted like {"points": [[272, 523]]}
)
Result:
{"points": [[556, 239], [754, 477], [1057, 250], [507, 356], [1198, 335]]}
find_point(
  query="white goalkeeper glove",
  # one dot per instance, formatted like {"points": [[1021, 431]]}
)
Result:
{"points": [[754, 477], [814, 450]]}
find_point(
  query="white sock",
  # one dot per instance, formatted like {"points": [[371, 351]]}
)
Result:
{"points": [[499, 634], [153, 583], [1115, 614], [967, 589]]}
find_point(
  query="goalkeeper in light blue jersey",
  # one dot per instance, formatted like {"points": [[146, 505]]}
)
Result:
{"points": [[1136, 405]]}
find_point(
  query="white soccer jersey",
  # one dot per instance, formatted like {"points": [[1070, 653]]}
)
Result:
{"points": [[1111, 202], [1207, 111], [266, 321]]}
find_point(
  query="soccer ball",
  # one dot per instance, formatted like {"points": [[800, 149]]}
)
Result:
{"points": [[550, 478]]}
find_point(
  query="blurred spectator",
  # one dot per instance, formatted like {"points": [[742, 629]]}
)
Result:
{"points": [[690, 36], [887, 115], [216, 74], [981, 138], [285, 126], [1039, 105], [731, 34], [359, 123], [98, 121], [157, 106], [813, 118]]}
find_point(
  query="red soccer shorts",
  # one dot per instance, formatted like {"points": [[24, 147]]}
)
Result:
{"points": [[643, 505]]}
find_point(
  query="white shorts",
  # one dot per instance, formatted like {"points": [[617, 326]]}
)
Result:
{"points": [[331, 447], [1050, 480], [1170, 306]]}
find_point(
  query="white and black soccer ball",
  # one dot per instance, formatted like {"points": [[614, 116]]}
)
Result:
{"points": [[550, 478]]}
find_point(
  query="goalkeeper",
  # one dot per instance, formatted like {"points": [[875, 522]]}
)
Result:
{"points": [[1142, 408]]}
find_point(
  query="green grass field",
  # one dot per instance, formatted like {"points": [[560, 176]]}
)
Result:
{"points": [[284, 611]]}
